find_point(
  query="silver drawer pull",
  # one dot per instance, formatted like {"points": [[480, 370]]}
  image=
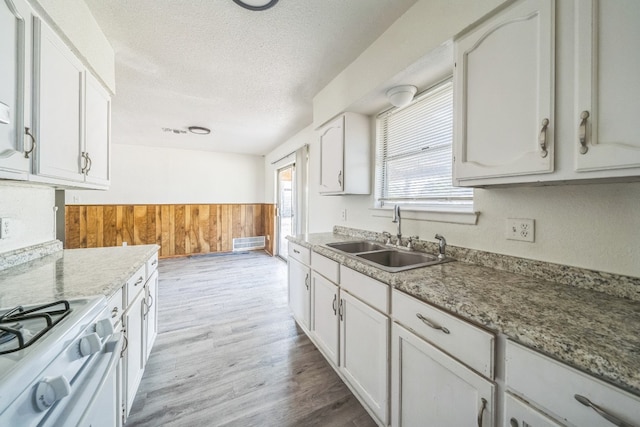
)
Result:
{"points": [[33, 143], [484, 406], [138, 281], [603, 413], [114, 312], [431, 324], [295, 251], [582, 132], [543, 138], [155, 261]]}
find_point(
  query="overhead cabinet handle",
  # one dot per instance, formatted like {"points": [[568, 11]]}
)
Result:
{"points": [[582, 132], [33, 143], [601, 411], [543, 138], [340, 178], [432, 324]]}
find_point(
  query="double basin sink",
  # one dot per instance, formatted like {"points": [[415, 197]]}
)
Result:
{"points": [[385, 258]]}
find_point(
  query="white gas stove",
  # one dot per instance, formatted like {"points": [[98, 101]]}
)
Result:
{"points": [[57, 363]]}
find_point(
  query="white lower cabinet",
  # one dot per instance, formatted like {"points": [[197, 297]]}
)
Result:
{"points": [[325, 321], [150, 317], [299, 292], [567, 395], [364, 353], [134, 355], [430, 388]]}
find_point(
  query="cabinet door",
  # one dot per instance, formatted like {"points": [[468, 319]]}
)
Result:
{"points": [[364, 353], [607, 85], [14, 18], [58, 77], [332, 157], [325, 325], [97, 132], [430, 388], [134, 326], [504, 80], [151, 312], [299, 292]]}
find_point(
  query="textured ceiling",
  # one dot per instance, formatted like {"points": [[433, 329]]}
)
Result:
{"points": [[248, 76]]}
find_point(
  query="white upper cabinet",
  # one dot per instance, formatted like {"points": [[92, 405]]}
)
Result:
{"points": [[57, 107], [504, 95], [607, 112], [345, 155], [97, 128], [15, 26]]}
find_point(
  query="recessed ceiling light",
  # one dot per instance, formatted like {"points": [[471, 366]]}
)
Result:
{"points": [[256, 4], [199, 130]]}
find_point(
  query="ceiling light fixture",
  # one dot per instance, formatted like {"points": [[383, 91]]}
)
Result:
{"points": [[256, 4], [401, 96], [199, 130]]}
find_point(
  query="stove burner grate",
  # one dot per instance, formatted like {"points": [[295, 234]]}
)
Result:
{"points": [[10, 328]]}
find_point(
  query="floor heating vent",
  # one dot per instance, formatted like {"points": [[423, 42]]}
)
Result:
{"points": [[248, 243]]}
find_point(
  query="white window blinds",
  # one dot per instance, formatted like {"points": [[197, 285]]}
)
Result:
{"points": [[413, 158]]}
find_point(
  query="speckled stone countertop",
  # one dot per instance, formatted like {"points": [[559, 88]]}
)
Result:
{"points": [[592, 331], [71, 273]]}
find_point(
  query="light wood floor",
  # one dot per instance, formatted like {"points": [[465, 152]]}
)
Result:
{"points": [[228, 352]]}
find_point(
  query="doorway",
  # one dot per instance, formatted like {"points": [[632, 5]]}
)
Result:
{"points": [[286, 218]]}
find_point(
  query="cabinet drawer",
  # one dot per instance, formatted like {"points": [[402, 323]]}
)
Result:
{"points": [[152, 264], [135, 284], [300, 253], [369, 290], [518, 414], [553, 386], [328, 268], [115, 307], [467, 343]]}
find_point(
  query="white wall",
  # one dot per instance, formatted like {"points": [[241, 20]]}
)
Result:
{"points": [[150, 175], [30, 210]]}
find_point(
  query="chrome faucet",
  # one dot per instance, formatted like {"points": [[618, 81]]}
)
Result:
{"points": [[397, 220], [442, 246]]}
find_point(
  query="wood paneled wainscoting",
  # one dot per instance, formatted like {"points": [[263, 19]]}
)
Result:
{"points": [[178, 229]]}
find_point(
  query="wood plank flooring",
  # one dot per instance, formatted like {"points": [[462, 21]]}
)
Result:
{"points": [[228, 352]]}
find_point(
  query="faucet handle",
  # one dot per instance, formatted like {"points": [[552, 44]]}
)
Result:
{"points": [[387, 236], [410, 240]]}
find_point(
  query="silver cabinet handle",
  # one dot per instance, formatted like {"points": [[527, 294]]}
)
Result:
{"points": [[431, 324], [306, 281], [340, 178], [83, 170], [33, 143], [484, 406], [333, 304], [138, 281], [543, 138], [295, 251], [124, 346], [155, 261], [89, 164], [601, 411], [341, 309], [582, 132], [114, 312], [151, 303]]}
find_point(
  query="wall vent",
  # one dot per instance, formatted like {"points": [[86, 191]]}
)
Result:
{"points": [[248, 243]]}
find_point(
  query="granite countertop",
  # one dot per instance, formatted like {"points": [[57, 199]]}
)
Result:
{"points": [[589, 330], [72, 273]]}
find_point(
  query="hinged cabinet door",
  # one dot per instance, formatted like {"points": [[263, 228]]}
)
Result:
{"points": [[325, 325], [607, 113], [58, 106], [504, 95], [97, 132], [14, 26], [430, 388], [299, 292], [332, 156]]}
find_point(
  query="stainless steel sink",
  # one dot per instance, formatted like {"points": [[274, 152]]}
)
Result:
{"points": [[356, 247], [384, 258], [395, 260]]}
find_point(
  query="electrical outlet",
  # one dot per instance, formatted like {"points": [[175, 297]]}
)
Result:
{"points": [[343, 214], [520, 229], [5, 228]]}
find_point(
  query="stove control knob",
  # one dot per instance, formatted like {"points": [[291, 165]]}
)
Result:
{"points": [[50, 390], [104, 328], [90, 344]]}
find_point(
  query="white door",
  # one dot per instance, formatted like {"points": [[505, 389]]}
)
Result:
{"points": [[286, 218], [97, 132], [364, 353], [14, 19], [606, 116], [332, 156], [299, 292], [58, 105], [134, 325], [151, 313], [504, 95], [430, 388], [325, 325]]}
